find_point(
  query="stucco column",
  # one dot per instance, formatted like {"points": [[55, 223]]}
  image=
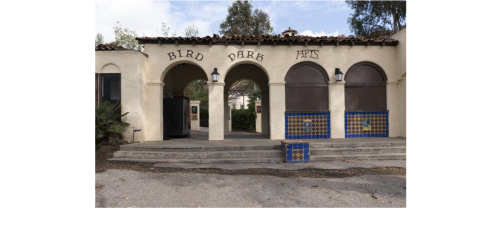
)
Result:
{"points": [[402, 106], [229, 120], [277, 110], [265, 113], [216, 111], [393, 107], [337, 109], [258, 118], [154, 115], [226, 114], [195, 117]]}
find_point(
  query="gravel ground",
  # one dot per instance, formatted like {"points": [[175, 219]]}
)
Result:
{"points": [[127, 188], [294, 166]]}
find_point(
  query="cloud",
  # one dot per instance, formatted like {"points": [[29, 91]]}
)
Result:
{"points": [[145, 17], [285, 10], [319, 34]]}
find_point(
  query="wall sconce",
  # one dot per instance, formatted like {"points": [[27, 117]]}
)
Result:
{"points": [[215, 75], [338, 74]]}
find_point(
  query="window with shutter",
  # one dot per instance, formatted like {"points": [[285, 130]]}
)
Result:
{"points": [[365, 88], [306, 88]]}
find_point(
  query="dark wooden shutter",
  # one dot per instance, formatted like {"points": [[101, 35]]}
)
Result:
{"points": [[306, 88], [365, 88]]}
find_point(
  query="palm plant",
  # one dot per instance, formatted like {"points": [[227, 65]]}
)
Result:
{"points": [[108, 125]]}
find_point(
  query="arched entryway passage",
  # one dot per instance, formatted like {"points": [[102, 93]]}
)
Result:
{"points": [[256, 75], [307, 115], [366, 101], [176, 110]]}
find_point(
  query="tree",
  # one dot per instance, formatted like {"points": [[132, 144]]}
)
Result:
{"points": [[191, 31], [262, 23], [376, 18], [196, 92], [126, 37], [242, 21], [99, 39], [164, 29]]}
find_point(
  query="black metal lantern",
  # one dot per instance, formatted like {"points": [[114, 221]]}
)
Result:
{"points": [[338, 74], [215, 75]]}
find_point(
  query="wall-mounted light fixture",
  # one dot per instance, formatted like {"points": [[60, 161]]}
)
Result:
{"points": [[338, 74], [215, 75]]}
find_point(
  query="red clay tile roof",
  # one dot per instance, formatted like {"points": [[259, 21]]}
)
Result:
{"points": [[270, 40], [109, 46]]}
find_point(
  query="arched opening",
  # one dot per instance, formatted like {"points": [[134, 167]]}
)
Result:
{"points": [[108, 85], [247, 88], [184, 84], [307, 115], [366, 101], [245, 106]]}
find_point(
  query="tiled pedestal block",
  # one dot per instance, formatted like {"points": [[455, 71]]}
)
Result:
{"points": [[295, 151]]}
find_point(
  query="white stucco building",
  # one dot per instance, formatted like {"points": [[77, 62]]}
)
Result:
{"points": [[300, 96]]}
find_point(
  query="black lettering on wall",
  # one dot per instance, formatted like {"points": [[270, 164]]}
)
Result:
{"points": [[198, 56], [316, 52], [261, 57], [250, 54], [305, 53], [189, 53], [172, 56], [312, 54], [240, 54], [299, 52]]}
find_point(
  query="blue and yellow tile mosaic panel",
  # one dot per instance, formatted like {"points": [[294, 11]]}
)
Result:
{"points": [[295, 151], [366, 124], [307, 125]]}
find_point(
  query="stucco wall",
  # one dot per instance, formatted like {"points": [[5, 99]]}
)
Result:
{"points": [[143, 79], [133, 68], [400, 129]]}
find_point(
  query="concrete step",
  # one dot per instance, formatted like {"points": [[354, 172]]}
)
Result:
{"points": [[384, 156], [358, 145], [203, 161], [164, 148], [198, 155], [354, 151]]}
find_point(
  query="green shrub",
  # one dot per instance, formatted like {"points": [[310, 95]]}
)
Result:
{"points": [[203, 117], [108, 125], [243, 120]]}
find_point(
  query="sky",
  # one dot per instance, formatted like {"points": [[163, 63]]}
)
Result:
{"points": [[313, 18]]}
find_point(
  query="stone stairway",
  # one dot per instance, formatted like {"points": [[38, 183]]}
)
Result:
{"points": [[320, 151], [358, 151], [200, 155]]}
